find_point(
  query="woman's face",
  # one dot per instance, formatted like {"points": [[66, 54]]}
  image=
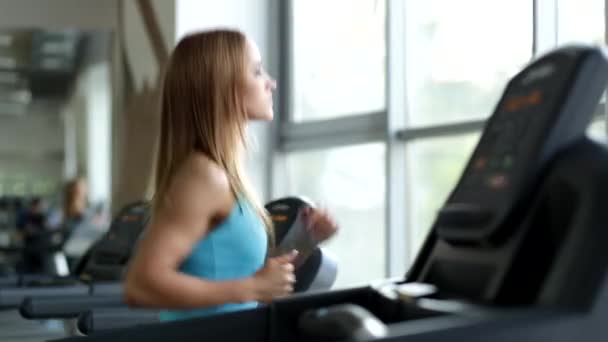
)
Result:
{"points": [[258, 85]]}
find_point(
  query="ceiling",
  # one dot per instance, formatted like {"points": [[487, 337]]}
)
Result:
{"points": [[37, 65]]}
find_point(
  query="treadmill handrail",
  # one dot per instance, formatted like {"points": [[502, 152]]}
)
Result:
{"points": [[66, 306], [13, 297], [100, 319]]}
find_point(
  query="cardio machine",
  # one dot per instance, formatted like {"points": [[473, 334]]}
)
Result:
{"points": [[99, 270], [517, 252]]}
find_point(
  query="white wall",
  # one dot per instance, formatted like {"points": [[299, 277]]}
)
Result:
{"points": [[87, 118], [76, 133], [99, 109], [140, 58], [141, 66], [255, 18]]}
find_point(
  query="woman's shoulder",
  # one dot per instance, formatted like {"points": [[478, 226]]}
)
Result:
{"points": [[202, 170], [199, 184]]}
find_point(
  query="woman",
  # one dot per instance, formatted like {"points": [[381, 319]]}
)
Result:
{"points": [[75, 200], [205, 249]]}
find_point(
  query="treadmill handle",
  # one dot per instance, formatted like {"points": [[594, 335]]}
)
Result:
{"points": [[66, 306], [105, 319]]}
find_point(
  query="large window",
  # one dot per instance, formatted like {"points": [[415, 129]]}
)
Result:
{"points": [[455, 72], [387, 99], [27, 178], [338, 57], [581, 21], [597, 131], [461, 53], [26, 185], [349, 182], [434, 166]]}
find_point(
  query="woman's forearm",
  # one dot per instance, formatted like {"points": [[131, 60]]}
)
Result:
{"points": [[175, 290]]}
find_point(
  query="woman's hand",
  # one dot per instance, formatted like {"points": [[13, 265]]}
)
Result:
{"points": [[319, 224], [275, 279]]}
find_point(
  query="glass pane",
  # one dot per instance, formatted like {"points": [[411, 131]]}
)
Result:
{"points": [[597, 131], [350, 182], [434, 167], [338, 58], [461, 54], [581, 21]]}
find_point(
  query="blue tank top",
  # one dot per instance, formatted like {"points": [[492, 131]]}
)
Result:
{"points": [[234, 249]]}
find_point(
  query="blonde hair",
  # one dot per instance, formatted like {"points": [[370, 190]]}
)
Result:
{"points": [[202, 110]]}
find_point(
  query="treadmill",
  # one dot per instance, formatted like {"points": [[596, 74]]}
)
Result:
{"points": [[517, 252], [47, 246], [98, 272]]}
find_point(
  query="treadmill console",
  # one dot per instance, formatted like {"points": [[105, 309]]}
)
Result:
{"points": [[545, 107]]}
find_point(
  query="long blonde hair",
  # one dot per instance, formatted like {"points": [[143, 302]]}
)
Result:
{"points": [[202, 110]]}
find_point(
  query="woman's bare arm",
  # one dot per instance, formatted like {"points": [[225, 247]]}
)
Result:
{"points": [[195, 199]]}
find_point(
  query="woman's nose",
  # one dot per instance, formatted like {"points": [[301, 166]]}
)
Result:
{"points": [[272, 83]]}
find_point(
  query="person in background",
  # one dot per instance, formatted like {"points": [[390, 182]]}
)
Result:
{"points": [[32, 228], [76, 200]]}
